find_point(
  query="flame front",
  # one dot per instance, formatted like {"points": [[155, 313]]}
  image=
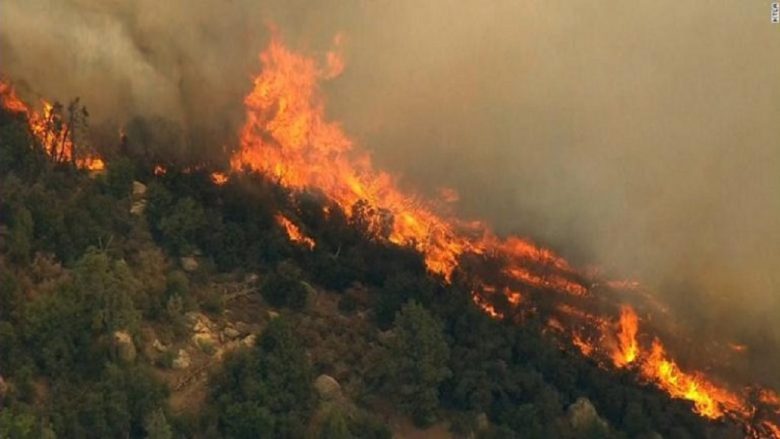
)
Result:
{"points": [[628, 349], [709, 400], [52, 133], [294, 233], [287, 136]]}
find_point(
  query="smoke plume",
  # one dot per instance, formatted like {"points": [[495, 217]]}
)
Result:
{"points": [[637, 136]]}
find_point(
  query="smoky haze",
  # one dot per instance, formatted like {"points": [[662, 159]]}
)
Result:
{"points": [[638, 136]]}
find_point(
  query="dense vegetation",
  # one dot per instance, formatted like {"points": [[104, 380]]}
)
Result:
{"points": [[83, 281]]}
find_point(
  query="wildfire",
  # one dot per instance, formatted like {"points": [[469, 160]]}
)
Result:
{"points": [[219, 178], [48, 127], [628, 349], [770, 398], [294, 233], [10, 101], [709, 400], [287, 136], [486, 306], [583, 345]]}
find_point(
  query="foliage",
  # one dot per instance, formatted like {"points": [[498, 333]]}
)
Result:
{"points": [[76, 266], [266, 391], [417, 362], [284, 287]]}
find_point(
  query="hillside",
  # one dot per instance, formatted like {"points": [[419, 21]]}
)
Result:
{"points": [[141, 301]]}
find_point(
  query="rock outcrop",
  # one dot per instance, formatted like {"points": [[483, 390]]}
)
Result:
{"points": [[125, 348], [182, 360], [582, 415], [327, 387]]}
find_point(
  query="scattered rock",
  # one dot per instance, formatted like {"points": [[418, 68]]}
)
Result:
{"points": [[583, 415], [230, 333], [205, 342], [158, 346], [182, 360], [139, 189], [272, 314], [125, 348], [327, 387], [202, 326], [193, 317], [189, 263], [249, 340], [243, 328], [200, 323], [251, 278], [483, 423], [138, 207]]}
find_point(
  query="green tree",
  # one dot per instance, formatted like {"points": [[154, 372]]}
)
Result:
{"points": [[20, 242], [416, 361], [284, 288], [335, 426], [119, 177], [156, 426], [635, 420], [182, 225], [266, 392], [17, 425], [107, 287], [65, 324]]}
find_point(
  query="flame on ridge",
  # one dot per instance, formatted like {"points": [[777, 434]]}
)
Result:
{"points": [[286, 135], [52, 133], [627, 349], [294, 232]]}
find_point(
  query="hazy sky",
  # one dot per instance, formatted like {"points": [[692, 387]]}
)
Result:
{"points": [[641, 136]]}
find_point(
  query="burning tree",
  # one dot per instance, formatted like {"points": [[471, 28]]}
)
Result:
{"points": [[59, 131]]}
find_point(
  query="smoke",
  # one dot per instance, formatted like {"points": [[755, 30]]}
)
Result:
{"points": [[637, 136], [173, 64]]}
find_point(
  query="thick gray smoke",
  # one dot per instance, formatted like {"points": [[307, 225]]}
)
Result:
{"points": [[181, 66], [640, 136]]}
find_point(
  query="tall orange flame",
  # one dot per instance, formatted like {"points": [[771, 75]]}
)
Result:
{"points": [[52, 134], [287, 136], [628, 349]]}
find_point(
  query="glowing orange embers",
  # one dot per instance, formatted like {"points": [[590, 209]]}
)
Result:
{"points": [[219, 178], [51, 131], [294, 233]]}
